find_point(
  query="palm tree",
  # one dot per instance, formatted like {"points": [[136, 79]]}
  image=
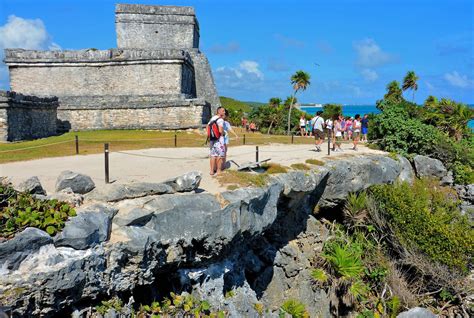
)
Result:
{"points": [[274, 102], [430, 102], [409, 82], [300, 81], [394, 92]]}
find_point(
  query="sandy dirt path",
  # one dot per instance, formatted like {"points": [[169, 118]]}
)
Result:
{"points": [[159, 164]]}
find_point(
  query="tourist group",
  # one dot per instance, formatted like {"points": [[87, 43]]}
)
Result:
{"points": [[337, 128]]}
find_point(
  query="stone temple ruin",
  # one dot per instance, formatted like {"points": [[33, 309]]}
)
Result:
{"points": [[156, 78]]}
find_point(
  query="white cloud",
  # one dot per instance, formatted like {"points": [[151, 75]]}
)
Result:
{"points": [[30, 34], [246, 75], [369, 74], [458, 80], [370, 55], [251, 67]]}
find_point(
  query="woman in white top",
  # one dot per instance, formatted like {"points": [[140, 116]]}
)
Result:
{"points": [[302, 125], [356, 125], [227, 129], [337, 133]]}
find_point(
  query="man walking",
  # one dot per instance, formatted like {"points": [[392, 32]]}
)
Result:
{"points": [[318, 130], [215, 129]]}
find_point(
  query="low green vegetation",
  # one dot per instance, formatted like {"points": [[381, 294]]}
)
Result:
{"points": [[21, 210], [184, 305], [236, 108], [398, 246], [438, 129], [235, 179], [426, 217], [274, 168]]}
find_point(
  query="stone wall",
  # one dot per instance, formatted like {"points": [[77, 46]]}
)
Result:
{"points": [[26, 117], [108, 72], [126, 112], [152, 27]]}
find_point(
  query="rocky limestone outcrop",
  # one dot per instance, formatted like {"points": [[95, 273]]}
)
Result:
{"points": [[254, 241], [32, 185], [77, 182], [429, 167]]}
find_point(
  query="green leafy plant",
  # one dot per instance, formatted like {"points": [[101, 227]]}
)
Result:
{"points": [[294, 308], [344, 259], [355, 210], [114, 303], [315, 162], [319, 275], [20, 210]]}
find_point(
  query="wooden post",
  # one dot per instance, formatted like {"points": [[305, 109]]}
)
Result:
{"points": [[106, 155], [244, 139], [292, 137], [175, 140], [77, 145], [256, 153]]}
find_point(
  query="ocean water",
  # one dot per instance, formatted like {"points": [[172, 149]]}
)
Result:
{"points": [[352, 110]]}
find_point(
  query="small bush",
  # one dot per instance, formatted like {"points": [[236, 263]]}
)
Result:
{"points": [[21, 210], [345, 259], [315, 162], [319, 275], [426, 217]]}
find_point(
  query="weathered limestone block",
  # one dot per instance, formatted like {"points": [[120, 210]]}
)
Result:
{"points": [[429, 167], [32, 185], [77, 182], [15, 250]]}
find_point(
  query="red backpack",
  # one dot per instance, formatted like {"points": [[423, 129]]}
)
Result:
{"points": [[213, 132]]}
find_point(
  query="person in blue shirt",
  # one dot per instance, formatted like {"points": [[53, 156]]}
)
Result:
{"points": [[365, 127]]}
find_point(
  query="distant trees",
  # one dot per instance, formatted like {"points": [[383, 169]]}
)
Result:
{"points": [[410, 82], [329, 110], [300, 81], [274, 102], [394, 92]]}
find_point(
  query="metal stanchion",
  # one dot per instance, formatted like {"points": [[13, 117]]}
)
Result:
{"points": [[244, 139], [292, 138], [256, 153], [106, 156], [77, 145], [176, 140]]}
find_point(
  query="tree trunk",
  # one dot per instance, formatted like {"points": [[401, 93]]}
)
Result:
{"points": [[289, 112], [413, 99], [270, 128]]}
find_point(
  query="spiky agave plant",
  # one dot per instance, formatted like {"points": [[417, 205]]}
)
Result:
{"points": [[355, 210]]}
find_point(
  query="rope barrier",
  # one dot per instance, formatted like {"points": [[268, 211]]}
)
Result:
{"points": [[160, 157], [39, 146]]}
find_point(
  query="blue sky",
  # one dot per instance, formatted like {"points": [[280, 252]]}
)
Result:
{"points": [[255, 46]]}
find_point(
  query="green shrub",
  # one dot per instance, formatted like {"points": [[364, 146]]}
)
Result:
{"points": [[21, 210], [294, 308], [315, 162], [425, 217]]}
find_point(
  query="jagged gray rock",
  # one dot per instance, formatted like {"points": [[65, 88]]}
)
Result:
{"points": [[407, 174], [15, 250], [32, 185], [246, 236], [185, 183], [79, 183], [85, 230], [429, 167], [355, 175], [119, 192], [448, 179], [417, 312]]}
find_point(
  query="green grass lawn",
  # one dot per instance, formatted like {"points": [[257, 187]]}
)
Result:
{"points": [[91, 142]]}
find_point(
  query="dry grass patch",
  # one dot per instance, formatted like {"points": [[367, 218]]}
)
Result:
{"points": [[235, 179], [315, 162], [300, 166], [273, 168]]}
